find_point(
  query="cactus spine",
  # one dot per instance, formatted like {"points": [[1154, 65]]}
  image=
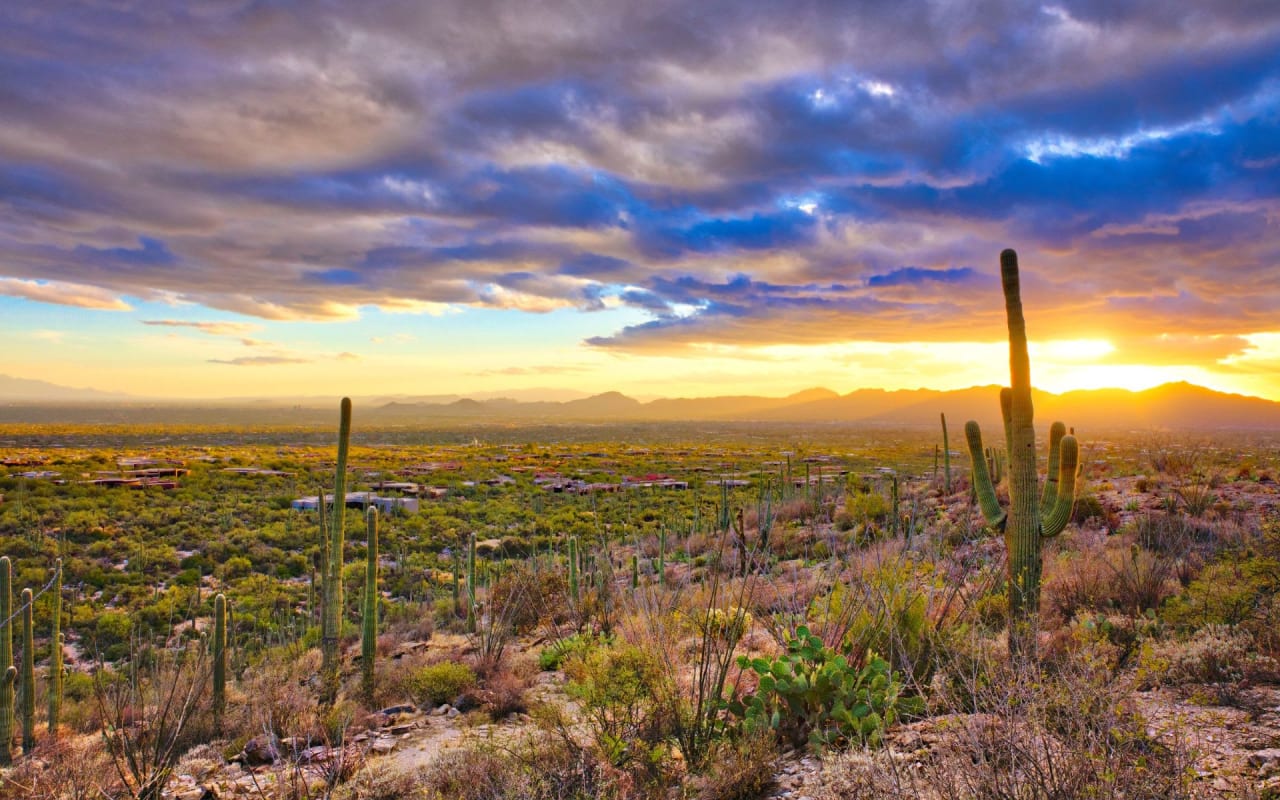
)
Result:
{"points": [[8, 672], [1031, 515], [331, 616], [219, 661], [946, 455], [55, 653], [28, 674], [471, 584], [573, 571], [369, 632]]}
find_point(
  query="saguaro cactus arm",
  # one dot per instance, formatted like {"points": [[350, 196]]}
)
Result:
{"points": [[1062, 477], [991, 510]]}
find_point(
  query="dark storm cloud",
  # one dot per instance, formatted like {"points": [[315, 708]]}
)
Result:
{"points": [[738, 171]]}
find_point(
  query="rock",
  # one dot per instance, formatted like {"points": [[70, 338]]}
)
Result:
{"points": [[442, 710], [407, 708], [261, 749], [452, 712], [465, 702], [316, 755], [383, 746], [396, 730], [1264, 758]]}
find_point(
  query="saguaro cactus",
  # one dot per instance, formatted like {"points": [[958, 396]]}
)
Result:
{"points": [[28, 676], [471, 584], [55, 653], [331, 600], [946, 454], [8, 672], [369, 623], [219, 660], [1032, 514], [573, 572], [662, 557]]}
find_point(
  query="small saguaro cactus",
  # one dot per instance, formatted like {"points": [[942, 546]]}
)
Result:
{"points": [[219, 660], [573, 572], [1033, 514], [8, 672], [55, 653], [331, 598], [369, 622], [28, 675], [894, 518], [662, 557], [471, 584], [946, 455], [635, 571]]}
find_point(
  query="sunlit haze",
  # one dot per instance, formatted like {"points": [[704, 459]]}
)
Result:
{"points": [[664, 199]]}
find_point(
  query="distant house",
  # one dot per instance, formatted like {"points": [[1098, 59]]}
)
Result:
{"points": [[385, 505]]}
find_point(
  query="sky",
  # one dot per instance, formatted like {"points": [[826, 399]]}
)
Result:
{"points": [[229, 198]]}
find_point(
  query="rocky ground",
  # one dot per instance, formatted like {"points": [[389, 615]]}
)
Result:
{"points": [[1234, 750]]}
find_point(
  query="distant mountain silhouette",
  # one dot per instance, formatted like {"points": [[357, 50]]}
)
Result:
{"points": [[13, 390], [1178, 406]]}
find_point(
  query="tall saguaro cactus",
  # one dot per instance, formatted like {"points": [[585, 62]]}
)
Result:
{"points": [[331, 600], [55, 653], [369, 621], [8, 672], [1032, 515], [219, 661], [28, 674]]}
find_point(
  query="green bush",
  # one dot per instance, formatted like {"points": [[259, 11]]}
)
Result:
{"points": [[441, 682], [554, 655], [812, 693], [620, 690]]}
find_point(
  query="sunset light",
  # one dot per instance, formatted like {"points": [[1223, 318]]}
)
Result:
{"points": [[682, 200]]}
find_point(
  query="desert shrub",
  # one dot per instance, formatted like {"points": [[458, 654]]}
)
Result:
{"points": [[537, 768], [1141, 579], [1025, 731], [1233, 591], [70, 768], [992, 609], [441, 682], [1215, 654], [739, 769], [621, 691], [475, 774], [503, 694], [1087, 506], [381, 784], [813, 694], [531, 596], [553, 656], [280, 702]]}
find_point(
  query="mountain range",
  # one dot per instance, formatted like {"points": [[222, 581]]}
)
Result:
{"points": [[1174, 406]]}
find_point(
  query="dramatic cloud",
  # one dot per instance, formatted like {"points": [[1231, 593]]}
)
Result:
{"points": [[260, 361], [63, 293], [236, 329], [726, 173]]}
